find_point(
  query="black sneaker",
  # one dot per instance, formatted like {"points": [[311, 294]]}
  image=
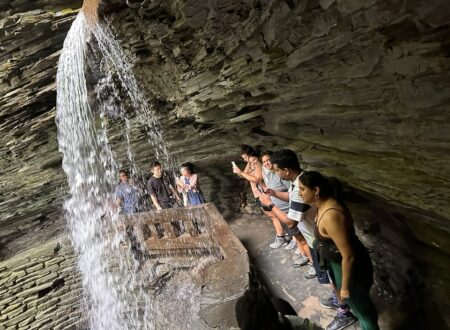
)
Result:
{"points": [[341, 321], [330, 302]]}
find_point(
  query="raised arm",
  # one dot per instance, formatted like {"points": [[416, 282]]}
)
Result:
{"points": [[180, 183], [247, 168], [283, 195], [255, 178]]}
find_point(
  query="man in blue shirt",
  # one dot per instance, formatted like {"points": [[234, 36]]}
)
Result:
{"points": [[127, 195]]}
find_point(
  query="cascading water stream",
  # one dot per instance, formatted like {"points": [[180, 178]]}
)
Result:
{"points": [[117, 297], [89, 179]]}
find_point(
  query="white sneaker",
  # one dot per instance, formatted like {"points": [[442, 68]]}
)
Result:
{"points": [[292, 245], [310, 273], [302, 261], [278, 242]]}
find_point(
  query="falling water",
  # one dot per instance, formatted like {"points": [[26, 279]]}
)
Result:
{"points": [[113, 281], [89, 178]]}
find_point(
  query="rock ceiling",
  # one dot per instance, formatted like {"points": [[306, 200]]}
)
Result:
{"points": [[358, 88]]}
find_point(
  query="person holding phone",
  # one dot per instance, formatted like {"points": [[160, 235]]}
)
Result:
{"points": [[252, 172], [188, 185], [273, 181]]}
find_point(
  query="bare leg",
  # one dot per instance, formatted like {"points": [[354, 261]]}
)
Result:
{"points": [[276, 223], [303, 246]]}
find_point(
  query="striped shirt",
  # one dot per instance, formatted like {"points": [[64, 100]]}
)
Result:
{"points": [[301, 212]]}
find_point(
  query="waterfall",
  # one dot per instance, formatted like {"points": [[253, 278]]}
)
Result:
{"points": [[113, 280], [89, 177]]}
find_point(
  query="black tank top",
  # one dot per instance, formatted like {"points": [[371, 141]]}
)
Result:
{"points": [[362, 267], [328, 240]]}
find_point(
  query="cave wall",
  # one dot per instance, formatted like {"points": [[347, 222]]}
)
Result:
{"points": [[40, 288], [32, 185], [358, 88]]}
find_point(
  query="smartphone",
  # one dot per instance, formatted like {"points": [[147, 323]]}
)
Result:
{"points": [[260, 189], [234, 164]]}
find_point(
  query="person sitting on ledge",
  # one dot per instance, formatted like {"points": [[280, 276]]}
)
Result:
{"points": [[339, 250], [255, 310]]}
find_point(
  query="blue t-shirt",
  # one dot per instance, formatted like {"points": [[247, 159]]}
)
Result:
{"points": [[129, 195]]}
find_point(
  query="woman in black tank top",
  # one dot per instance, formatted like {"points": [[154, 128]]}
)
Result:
{"points": [[340, 251]]}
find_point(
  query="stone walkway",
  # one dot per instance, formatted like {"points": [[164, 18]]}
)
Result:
{"points": [[275, 270]]}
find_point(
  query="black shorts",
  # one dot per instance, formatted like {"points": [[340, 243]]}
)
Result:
{"points": [[263, 207]]}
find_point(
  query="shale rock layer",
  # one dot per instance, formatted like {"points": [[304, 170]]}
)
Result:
{"points": [[358, 88]]}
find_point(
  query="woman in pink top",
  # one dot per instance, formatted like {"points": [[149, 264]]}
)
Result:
{"points": [[188, 185], [252, 172]]}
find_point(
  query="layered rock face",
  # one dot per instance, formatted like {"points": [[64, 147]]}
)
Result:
{"points": [[358, 88], [32, 181], [41, 289]]}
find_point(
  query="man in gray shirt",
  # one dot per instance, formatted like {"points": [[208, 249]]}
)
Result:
{"points": [[274, 182]]}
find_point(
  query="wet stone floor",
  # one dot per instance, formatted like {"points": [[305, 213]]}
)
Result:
{"points": [[274, 268]]}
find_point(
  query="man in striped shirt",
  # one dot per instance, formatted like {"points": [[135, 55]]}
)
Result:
{"points": [[300, 216]]}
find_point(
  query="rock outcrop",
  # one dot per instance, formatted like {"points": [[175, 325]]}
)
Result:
{"points": [[41, 289], [32, 185], [358, 88]]}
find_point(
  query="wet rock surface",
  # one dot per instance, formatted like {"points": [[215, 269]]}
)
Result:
{"points": [[41, 289], [359, 89], [32, 184]]}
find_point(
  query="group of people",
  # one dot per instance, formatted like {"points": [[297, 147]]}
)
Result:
{"points": [[162, 189], [308, 213]]}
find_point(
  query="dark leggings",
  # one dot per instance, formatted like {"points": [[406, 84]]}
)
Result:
{"points": [[359, 301], [322, 276]]}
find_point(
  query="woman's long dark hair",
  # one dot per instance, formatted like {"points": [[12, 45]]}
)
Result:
{"points": [[189, 166], [329, 187], [246, 149]]}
